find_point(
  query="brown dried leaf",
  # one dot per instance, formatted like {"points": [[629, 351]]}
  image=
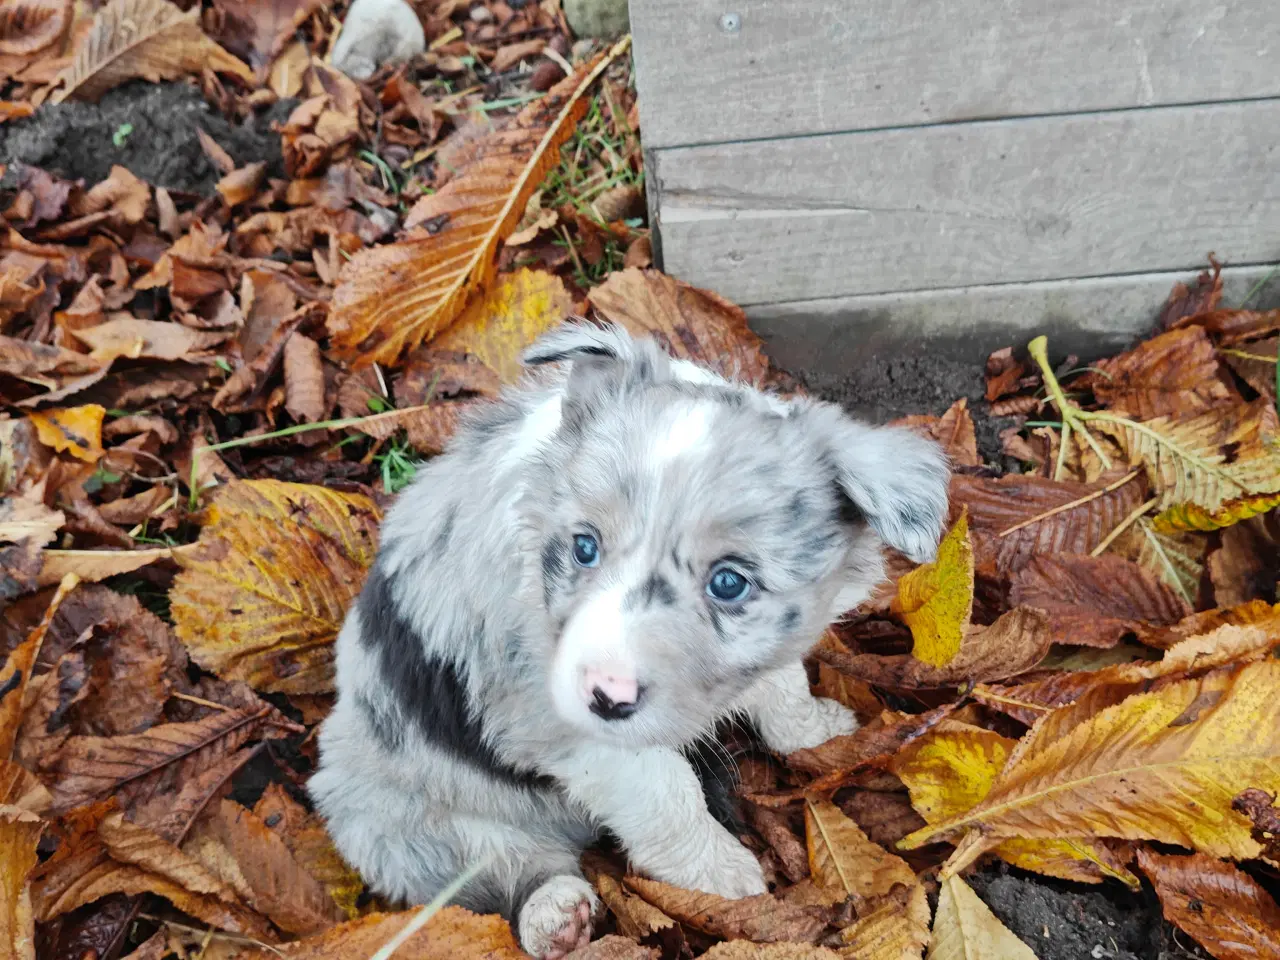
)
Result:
{"points": [[746, 950], [303, 379], [636, 917], [1256, 364], [97, 565], [427, 428], [1225, 909], [1235, 326], [391, 298], [1259, 807], [761, 918], [19, 834], [691, 323], [15, 676], [260, 29], [451, 934], [966, 929], [953, 431], [28, 27], [285, 560], [238, 847], [151, 39], [1175, 373], [125, 336], [1095, 601], [305, 835], [241, 186], [774, 828], [1186, 302], [1003, 372], [843, 858], [73, 430]]}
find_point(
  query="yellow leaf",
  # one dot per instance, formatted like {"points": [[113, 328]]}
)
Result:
{"points": [[966, 929], [1207, 460], [74, 430], [391, 298], [894, 926], [952, 768], [264, 596], [19, 833], [519, 309], [151, 39], [1192, 516], [936, 599], [1163, 765], [842, 857]]}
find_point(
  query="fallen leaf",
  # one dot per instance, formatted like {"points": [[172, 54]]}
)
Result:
{"points": [[746, 950], [692, 324], [1003, 373], [952, 769], [518, 309], [238, 847], [427, 428], [451, 934], [762, 918], [30, 26], [842, 858], [1175, 373], [263, 28], [27, 518], [1013, 518], [1163, 765], [613, 947], [966, 929], [1185, 303], [936, 599], [240, 186], [303, 379], [953, 431], [97, 565], [773, 827], [1016, 642], [285, 560], [308, 840], [1235, 326], [1095, 601], [1259, 807], [894, 926], [74, 430], [1221, 906], [15, 677], [1176, 558], [126, 336], [1256, 364], [138, 766], [151, 39], [636, 917], [391, 298], [19, 834]]}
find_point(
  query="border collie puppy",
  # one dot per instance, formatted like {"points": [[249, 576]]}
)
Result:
{"points": [[605, 563]]}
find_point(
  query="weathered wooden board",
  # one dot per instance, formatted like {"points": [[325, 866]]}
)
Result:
{"points": [[821, 66], [975, 203], [1090, 318]]}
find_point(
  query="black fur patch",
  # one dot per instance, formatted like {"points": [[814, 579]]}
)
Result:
{"points": [[552, 567], [655, 588], [790, 619], [430, 691], [389, 729], [441, 543], [718, 775]]}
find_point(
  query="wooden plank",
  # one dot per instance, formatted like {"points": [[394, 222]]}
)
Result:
{"points": [[1091, 317], [823, 66], [989, 202]]}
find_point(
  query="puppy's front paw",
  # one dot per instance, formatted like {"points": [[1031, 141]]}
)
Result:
{"points": [[556, 919], [726, 868], [822, 720]]}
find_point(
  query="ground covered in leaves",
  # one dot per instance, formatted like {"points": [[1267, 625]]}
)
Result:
{"points": [[238, 304]]}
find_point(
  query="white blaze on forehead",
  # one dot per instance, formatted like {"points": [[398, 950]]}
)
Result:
{"points": [[594, 636], [689, 429], [539, 426]]}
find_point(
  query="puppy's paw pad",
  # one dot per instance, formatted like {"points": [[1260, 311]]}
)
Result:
{"points": [[556, 919]]}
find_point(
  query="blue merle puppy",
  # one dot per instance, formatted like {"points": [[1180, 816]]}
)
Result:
{"points": [[607, 562]]}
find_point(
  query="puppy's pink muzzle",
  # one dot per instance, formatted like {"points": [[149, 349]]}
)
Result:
{"points": [[617, 685]]}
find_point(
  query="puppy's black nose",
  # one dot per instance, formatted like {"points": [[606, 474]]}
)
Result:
{"points": [[604, 707]]}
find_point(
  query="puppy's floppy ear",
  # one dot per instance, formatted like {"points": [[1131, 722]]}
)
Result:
{"points": [[605, 360], [896, 478]]}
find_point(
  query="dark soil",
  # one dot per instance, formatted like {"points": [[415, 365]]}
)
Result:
{"points": [[77, 140], [900, 386], [1062, 921]]}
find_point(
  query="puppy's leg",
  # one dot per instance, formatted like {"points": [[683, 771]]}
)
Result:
{"points": [[651, 800], [788, 716], [556, 919]]}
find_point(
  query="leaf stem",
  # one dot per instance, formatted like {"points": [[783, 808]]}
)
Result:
{"points": [[1073, 418], [430, 910]]}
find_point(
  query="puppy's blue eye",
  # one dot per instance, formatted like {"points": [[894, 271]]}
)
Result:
{"points": [[586, 551], [728, 585]]}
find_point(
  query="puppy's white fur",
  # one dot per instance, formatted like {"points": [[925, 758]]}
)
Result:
{"points": [[463, 729]]}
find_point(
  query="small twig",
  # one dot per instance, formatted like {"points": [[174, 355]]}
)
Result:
{"points": [[1063, 508], [1124, 525], [1073, 418], [201, 701], [229, 937], [430, 910]]}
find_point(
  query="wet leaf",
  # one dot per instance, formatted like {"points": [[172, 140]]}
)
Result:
{"points": [[761, 918], [73, 430], [1259, 807], [1176, 373], [1192, 516], [151, 39], [966, 929], [1096, 601], [516, 311], [1221, 906], [305, 835], [285, 560], [693, 324], [936, 599], [1163, 765], [869, 745], [427, 428], [391, 298]]}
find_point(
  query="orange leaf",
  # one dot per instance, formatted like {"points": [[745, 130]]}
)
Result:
{"points": [[762, 918], [391, 298], [953, 431], [74, 430], [19, 833]]}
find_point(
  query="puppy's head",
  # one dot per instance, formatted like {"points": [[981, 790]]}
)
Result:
{"points": [[693, 533]]}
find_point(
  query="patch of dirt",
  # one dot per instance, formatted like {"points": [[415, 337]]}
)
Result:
{"points": [[1062, 921], [900, 386], [78, 140]]}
